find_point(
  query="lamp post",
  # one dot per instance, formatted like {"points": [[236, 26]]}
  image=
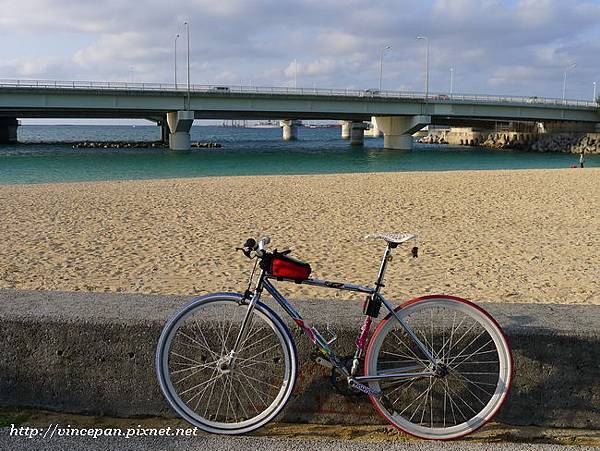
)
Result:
{"points": [[187, 27], [426, 39], [387, 47], [295, 73], [594, 96], [175, 60], [570, 66], [451, 80]]}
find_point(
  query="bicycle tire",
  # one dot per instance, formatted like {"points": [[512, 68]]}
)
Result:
{"points": [[206, 360], [442, 391]]}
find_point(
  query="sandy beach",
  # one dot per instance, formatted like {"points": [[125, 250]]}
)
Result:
{"points": [[497, 236]]}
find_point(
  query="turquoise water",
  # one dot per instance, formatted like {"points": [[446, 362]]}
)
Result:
{"points": [[245, 151]]}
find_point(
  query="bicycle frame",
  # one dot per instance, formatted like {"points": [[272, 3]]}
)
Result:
{"points": [[264, 282]]}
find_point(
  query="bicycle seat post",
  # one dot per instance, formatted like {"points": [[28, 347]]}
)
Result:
{"points": [[387, 256]]}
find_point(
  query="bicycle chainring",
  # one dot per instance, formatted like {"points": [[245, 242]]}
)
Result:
{"points": [[340, 382]]}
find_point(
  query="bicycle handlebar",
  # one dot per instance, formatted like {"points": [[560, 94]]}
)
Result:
{"points": [[251, 245], [262, 245]]}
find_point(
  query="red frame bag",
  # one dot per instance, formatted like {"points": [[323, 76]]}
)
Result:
{"points": [[289, 268]]}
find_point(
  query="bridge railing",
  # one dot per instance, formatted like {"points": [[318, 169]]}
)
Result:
{"points": [[239, 89]]}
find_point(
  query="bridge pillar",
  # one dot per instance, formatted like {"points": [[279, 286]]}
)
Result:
{"points": [[398, 130], [290, 129], [180, 123], [357, 133], [346, 128], [375, 132], [8, 130], [164, 130]]}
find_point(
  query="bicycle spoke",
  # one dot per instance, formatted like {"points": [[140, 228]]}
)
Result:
{"points": [[483, 403], [246, 393], [262, 395], [472, 354], [220, 400], [189, 375], [453, 404], [200, 393], [462, 399], [206, 345], [265, 350], [199, 385], [409, 350], [479, 385]]}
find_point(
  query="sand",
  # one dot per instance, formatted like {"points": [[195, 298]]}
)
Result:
{"points": [[527, 236]]}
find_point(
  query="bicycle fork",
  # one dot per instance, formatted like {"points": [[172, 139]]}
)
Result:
{"points": [[229, 359]]}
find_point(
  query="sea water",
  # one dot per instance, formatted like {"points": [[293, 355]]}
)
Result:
{"points": [[245, 151]]}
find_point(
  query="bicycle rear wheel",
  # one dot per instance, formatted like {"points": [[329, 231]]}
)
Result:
{"points": [[209, 390], [466, 386]]}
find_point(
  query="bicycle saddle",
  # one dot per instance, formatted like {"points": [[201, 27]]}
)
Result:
{"points": [[395, 238]]}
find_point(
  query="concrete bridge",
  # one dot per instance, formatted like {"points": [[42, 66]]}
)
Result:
{"points": [[397, 114]]}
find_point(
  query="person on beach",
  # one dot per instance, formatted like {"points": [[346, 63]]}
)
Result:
{"points": [[582, 159]]}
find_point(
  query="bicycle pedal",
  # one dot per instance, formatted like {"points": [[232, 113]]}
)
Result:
{"points": [[319, 358], [323, 362]]}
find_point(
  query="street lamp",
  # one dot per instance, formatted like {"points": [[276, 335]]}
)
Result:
{"points": [[426, 39], [594, 97], [451, 80], [295, 73], [570, 66], [187, 27], [387, 47], [176, 37]]}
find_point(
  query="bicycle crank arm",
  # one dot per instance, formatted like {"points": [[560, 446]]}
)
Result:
{"points": [[352, 382]]}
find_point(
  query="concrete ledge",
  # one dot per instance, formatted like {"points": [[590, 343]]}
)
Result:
{"points": [[93, 353]]}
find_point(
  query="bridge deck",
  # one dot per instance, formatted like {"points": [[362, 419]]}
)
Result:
{"points": [[49, 98]]}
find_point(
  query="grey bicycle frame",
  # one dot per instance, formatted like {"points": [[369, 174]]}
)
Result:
{"points": [[264, 282]]}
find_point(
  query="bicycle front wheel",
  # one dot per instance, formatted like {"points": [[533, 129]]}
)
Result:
{"points": [[206, 387], [458, 393]]}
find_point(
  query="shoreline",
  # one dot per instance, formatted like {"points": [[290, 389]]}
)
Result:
{"points": [[310, 174]]}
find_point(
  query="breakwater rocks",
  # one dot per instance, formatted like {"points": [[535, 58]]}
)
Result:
{"points": [[572, 142], [135, 144], [433, 139], [508, 140], [545, 142], [568, 143]]}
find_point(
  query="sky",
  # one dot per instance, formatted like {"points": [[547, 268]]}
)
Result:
{"points": [[518, 47]]}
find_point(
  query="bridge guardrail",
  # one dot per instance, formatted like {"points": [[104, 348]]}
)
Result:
{"points": [[223, 89]]}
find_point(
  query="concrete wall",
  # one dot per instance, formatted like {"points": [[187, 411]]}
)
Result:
{"points": [[93, 353]]}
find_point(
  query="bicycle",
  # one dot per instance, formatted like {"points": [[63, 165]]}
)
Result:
{"points": [[436, 367]]}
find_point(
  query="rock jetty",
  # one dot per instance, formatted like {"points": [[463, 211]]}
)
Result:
{"points": [[568, 143], [135, 144], [546, 142], [572, 142], [433, 139]]}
